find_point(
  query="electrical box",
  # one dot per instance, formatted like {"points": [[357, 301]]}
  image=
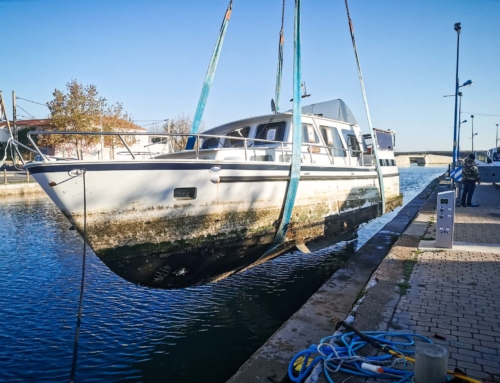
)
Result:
{"points": [[445, 219]]}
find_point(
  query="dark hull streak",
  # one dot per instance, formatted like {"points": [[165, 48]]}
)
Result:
{"points": [[214, 261]]}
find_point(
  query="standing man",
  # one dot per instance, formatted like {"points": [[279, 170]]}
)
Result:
{"points": [[470, 175]]}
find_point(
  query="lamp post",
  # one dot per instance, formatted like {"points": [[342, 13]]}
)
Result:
{"points": [[472, 116], [101, 101], [458, 144], [496, 142], [457, 28]]}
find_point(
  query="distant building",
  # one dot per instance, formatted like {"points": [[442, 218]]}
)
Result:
{"points": [[139, 147]]}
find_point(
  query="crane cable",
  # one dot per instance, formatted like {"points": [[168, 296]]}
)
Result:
{"points": [[209, 78], [372, 132], [279, 71]]}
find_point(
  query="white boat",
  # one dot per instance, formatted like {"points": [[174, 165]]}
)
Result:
{"points": [[488, 158], [195, 216]]}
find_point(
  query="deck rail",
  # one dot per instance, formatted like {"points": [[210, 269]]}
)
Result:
{"points": [[201, 138]]}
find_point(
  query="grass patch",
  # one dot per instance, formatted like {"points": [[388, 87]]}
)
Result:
{"points": [[408, 266], [417, 252], [361, 294], [424, 238]]}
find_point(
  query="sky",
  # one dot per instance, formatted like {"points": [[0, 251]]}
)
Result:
{"points": [[152, 56]]}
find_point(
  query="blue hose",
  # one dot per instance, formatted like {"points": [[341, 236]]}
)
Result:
{"points": [[340, 354]]}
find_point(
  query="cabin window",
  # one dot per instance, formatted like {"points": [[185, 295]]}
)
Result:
{"points": [[332, 138], [238, 134], [211, 143], [185, 193], [272, 131], [309, 134], [352, 142], [266, 157], [385, 140]]}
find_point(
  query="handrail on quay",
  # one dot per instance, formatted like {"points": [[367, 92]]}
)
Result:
{"points": [[245, 144]]}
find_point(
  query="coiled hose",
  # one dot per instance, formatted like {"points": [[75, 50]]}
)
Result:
{"points": [[340, 353]]}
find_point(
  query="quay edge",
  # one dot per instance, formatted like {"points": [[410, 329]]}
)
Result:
{"points": [[19, 189], [331, 303]]}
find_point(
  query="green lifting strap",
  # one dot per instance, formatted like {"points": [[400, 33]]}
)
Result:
{"points": [[293, 185], [209, 78], [279, 72], [372, 132]]}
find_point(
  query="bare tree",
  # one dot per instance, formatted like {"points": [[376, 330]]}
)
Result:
{"points": [[181, 124]]}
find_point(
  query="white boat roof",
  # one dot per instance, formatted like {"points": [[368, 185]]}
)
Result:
{"points": [[333, 109], [336, 110]]}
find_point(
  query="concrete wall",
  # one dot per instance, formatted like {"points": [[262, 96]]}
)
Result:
{"points": [[19, 189]]}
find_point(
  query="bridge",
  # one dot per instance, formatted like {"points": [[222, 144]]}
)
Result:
{"points": [[422, 159]]}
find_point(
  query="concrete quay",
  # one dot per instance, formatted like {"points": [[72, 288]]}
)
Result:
{"points": [[453, 293], [20, 188], [331, 303]]}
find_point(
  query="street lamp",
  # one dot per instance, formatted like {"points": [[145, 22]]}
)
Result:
{"points": [[101, 101], [457, 28], [459, 127], [467, 83], [472, 116], [496, 142]]}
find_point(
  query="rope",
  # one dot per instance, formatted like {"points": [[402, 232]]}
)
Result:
{"points": [[340, 353], [82, 284], [9, 142]]}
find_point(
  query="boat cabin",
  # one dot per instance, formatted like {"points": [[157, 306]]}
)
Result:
{"points": [[325, 140]]}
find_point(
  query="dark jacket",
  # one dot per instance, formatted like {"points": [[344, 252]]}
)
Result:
{"points": [[470, 172]]}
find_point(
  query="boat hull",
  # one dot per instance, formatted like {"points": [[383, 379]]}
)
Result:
{"points": [[145, 234]]}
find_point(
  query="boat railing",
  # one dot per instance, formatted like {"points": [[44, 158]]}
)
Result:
{"points": [[246, 143]]}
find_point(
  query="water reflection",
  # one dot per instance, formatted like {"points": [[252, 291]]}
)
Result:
{"points": [[132, 333]]}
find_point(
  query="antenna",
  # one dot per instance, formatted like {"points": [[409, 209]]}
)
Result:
{"points": [[273, 106], [304, 91]]}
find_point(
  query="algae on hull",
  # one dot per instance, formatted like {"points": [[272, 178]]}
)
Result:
{"points": [[185, 250]]}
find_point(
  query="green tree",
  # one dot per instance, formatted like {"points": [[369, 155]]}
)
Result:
{"points": [[78, 109]]}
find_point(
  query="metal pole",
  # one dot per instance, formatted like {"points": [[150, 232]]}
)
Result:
{"points": [[102, 138], [457, 28], [5, 176], [459, 124], [496, 142], [14, 123], [472, 134]]}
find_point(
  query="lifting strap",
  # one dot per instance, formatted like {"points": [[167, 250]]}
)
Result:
{"points": [[209, 78], [279, 71], [296, 139], [372, 132]]}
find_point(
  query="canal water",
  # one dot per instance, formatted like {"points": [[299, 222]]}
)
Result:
{"points": [[136, 334]]}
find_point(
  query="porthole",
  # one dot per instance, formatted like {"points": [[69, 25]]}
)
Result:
{"points": [[185, 193]]}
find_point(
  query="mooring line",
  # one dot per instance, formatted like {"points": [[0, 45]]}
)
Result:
{"points": [[79, 318]]}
